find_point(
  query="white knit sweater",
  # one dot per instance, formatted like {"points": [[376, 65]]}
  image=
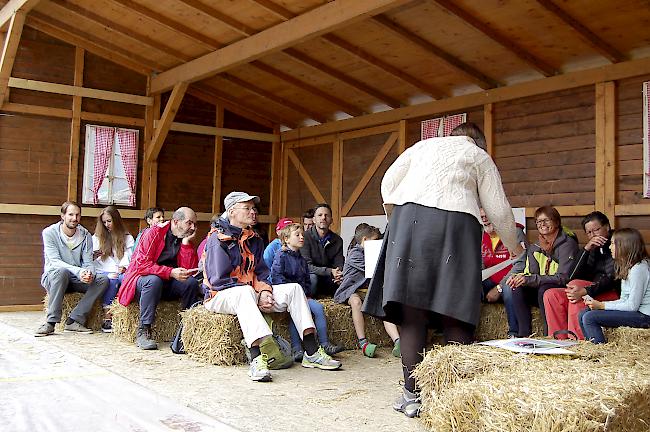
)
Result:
{"points": [[454, 174]]}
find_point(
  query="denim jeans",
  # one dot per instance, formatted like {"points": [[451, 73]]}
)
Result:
{"points": [[317, 311], [513, 325], [593, 321], [112, 290]]}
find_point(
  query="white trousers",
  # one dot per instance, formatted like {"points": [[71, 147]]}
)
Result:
{"points": [[241, 300]]}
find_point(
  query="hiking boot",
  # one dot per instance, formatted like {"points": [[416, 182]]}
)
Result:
{"points": [[259, 369], [408, 403], [144, 339], [107, 326], [332, 349], [368, 349], [297, 355], [397, 349], [44, 330], [320, 360], [75, 327]]}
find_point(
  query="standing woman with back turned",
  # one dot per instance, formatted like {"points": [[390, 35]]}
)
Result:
{"points": [[429, 269]]}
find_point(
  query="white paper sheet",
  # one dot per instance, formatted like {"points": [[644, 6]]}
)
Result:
{"points": [[371, 249], [532, 346]]}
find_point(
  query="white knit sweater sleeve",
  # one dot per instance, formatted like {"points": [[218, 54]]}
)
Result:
{"points": [[395, 174], [495, 203]]}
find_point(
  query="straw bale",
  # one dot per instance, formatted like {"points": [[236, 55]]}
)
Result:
{"points": [[70, 300], [127, 319], [470, 388], [494, 322], [628, 336], [340, 328], [212, 338]]}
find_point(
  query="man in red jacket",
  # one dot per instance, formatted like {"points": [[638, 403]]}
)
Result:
{"points": [[162, 267]]}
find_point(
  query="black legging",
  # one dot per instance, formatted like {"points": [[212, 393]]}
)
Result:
{"points": [[522, 298], [413, 338]]}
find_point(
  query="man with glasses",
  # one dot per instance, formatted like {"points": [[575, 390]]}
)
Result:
{"points": [[236, 277], [162, 267], [592, 275]]}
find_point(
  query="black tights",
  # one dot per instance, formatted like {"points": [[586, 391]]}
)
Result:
{"points": [[413, 338]]}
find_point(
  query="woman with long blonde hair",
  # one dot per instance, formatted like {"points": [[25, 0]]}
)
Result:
{"points": [[112, 250]]}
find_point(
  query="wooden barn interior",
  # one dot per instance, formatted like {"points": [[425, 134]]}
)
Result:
{"points": [[305, 101]]}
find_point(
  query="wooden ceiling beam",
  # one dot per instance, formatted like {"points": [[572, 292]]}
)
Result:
{"points": [[118, 28], [87, 37], [339, 103], [230, 22], [165, 123], [104, 50], [470, 72], [523, 54], [306, 112], [324, 19], [605, 49], [356, 84], [275, 9], [8, 10], [370, 59], [175, 26], [9, 50]]}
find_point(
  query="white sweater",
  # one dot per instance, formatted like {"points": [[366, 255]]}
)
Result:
{"points": [[111, 264], [454, 174]]}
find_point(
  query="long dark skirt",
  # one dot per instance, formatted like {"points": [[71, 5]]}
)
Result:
{"points": [[430, 259]]}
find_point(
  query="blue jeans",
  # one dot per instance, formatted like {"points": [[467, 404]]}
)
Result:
{"points": [[318, 313], [593, 321], [113, 288], [513, 325]]}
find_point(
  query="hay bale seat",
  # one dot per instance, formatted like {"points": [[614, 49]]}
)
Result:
{"points": [[126, 320], [494, 322], [70, 300], [601, 388], [216, 338]]}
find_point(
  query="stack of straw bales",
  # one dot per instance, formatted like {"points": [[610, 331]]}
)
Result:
{"points": [[494, 323], [480, 388], [127, 319], [94, 318], [340, 328]]}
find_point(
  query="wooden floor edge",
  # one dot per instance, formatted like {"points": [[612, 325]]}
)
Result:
{"points": [[21, 308]]}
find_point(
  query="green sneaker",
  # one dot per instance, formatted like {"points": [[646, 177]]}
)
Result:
{"points": [[368, 349], [259, 369], [397, 350], [320, 360]]}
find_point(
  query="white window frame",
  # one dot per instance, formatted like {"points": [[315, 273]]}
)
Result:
{"points": [[105, 193]]}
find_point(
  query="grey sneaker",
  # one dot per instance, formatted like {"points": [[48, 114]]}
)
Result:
{"points": [[297, 355], [44, 330], [144, 339], [75, 327], [320, 360], [259, 369], [408, 403], [332, 349]]}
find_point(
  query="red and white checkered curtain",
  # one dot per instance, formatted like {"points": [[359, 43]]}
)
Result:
{"points": [[104, 137], [451, 122], [128, 142], [646, 139], [429, 128]]}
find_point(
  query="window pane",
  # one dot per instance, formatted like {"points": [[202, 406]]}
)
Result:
{"points": [[118, 169], [121, 191]]}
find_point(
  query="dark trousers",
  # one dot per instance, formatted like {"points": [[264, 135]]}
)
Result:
{"points": [[322, 286], [521, 300], [151, 289], [593, 321]]}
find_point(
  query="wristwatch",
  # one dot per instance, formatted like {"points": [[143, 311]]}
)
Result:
{"points": [[499, 289]]}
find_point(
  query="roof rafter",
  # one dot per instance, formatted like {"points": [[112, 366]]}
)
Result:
{"points": [[523, 54], [386, 67], [13, 6], [605, 49], [273, 97], [473, 74], [314, 23], [12, 39], [232, 23]]}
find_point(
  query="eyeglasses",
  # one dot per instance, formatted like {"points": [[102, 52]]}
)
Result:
{"points": [[594, 231], [540, 222], [247, 209]]}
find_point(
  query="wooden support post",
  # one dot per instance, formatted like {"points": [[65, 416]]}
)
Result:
{"points": [[218, 163], [276, 177], [337, 183], [166, 120], [285, 180], [488, 128], [10, 48], [401, 142], [151, 113], [75, 126], [606, 149]]}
